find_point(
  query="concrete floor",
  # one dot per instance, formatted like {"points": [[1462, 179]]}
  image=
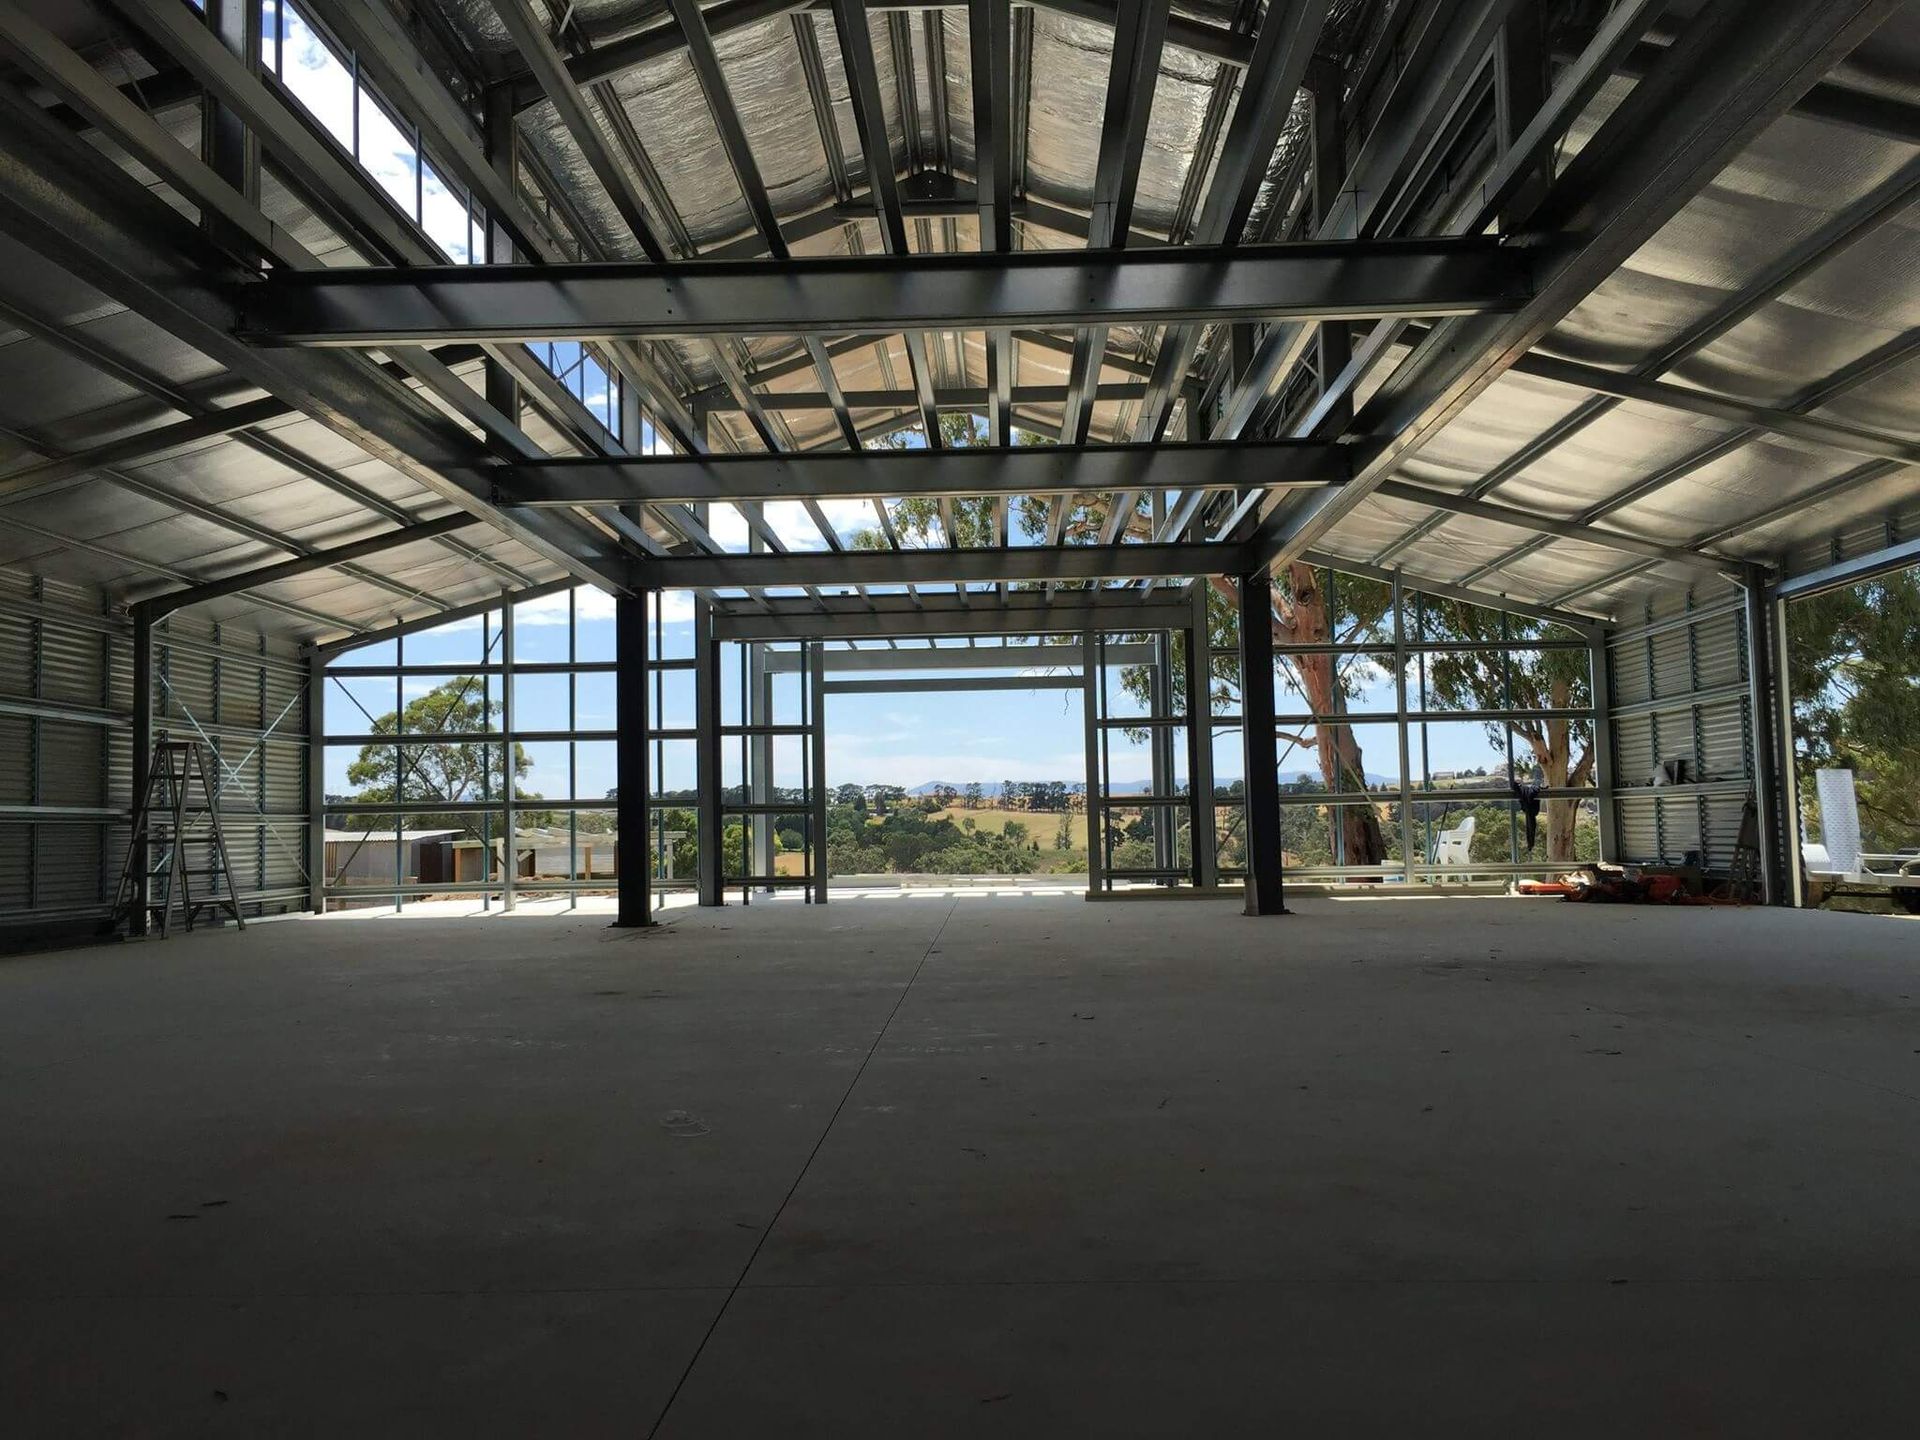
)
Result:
{"points": [[965, 1165]]}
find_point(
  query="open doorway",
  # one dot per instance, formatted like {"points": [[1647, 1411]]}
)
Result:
{"points": [[961, 776], [1854, 674]]}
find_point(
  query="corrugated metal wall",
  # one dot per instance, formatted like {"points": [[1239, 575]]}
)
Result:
{"points": [[1679, 689], [66, 760]]}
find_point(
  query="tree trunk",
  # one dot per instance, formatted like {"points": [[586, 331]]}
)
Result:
{"points": [[1555, 767], [1341, 765]]}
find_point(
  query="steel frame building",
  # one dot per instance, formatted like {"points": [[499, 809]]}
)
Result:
{"points": [[334, 321]]}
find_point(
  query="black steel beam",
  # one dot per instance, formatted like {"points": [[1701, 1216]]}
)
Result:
{"points": [[937, 615], [886, 474], [606, 61], [1736, 69], [1808, 430], [65, 201], [866, 294], [634, 860], [174, 600], [941, 567], [1547, 525]]}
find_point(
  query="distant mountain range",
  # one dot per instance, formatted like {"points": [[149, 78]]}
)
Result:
{"points": [[1288, 776], [991, 788]]}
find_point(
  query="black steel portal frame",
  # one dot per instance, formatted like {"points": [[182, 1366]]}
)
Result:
{"points": [[1372, 254], [1354, 235]]}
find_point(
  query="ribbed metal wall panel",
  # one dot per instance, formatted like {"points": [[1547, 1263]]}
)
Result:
{"points": [[1679, 693], [68, 662]]}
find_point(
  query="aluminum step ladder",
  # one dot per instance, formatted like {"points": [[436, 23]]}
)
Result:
{"points": [[176, 840]]}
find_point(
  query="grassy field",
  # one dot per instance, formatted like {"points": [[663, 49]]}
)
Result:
{"points": [[1042, 825]]}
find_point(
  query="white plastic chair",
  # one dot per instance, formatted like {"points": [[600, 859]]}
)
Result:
{"points": [[1455, 846]]}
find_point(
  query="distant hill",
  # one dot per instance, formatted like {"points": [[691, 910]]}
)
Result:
{"points": [[991, 789]]}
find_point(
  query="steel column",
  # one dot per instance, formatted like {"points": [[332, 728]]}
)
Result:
{"points": [[817, 740], [758, 703], [1265, 894], [706, 752], [317, 784], [141, 738], [1400, 708], [1096, 811], [1606, 784], [1778, 831], [1198, 665], [1793, 887], [634, 857]]}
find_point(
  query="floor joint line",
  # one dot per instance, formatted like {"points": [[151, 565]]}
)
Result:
{"points": [[805, 1165]]}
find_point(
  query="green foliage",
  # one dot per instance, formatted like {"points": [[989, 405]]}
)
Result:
{"points": [[1854, 667], [907, 840], [456, 771]]}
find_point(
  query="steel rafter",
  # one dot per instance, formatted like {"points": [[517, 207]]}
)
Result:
{"points": [[1806, 430], [942, 615], [1559, 529], [1889, 357], [61, 198], [981, 470], [1737, 68], [1845, 230], [1140, 30], [1009, 564], [620, 55], [876, 148], [1282, 52], [333, 557]]}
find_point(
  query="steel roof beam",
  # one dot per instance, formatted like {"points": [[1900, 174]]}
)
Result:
{"points": [[1807, 430], [746, 172], [1014, 656], [1453, 590], [990, 40], [61, 198], [1835, 103], [900, 617], [1868, 368], [863, 294], [620, 55], [972, 398], [969, 471], [984, 566], [1547, 525], [170, 601], [1845, 230], [1281, 55], [1737, 68], [144, 446], [1140, 31], [876, 148]]}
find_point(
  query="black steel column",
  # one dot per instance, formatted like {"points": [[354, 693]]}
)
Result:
{"points": [[635, 857], [142, 740], [706, 753], [1265, 895], [316, 784], [1198, 661], [1779, 829]]}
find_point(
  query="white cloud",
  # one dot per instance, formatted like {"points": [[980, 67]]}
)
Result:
{"points": [[850, 761]]}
